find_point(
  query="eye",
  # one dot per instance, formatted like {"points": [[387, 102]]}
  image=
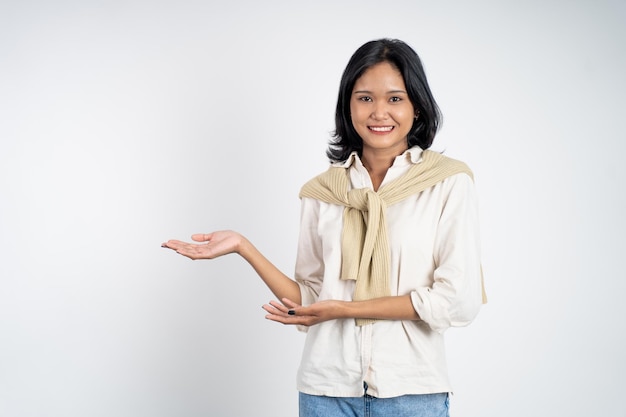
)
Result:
{"points": [[366, 99], [395, 99]]}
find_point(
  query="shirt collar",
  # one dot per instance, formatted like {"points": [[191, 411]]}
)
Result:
{"points": [[412, 155]]}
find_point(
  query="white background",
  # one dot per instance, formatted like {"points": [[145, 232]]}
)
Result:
{"points": [[126, 123]]}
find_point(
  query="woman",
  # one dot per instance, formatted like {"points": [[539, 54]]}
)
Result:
{"points": [[388, 253]]}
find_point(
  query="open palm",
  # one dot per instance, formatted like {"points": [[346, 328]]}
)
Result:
{"points": [[212, 245]]}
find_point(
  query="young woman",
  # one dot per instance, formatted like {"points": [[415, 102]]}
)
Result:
{"points": [[388, 253]]}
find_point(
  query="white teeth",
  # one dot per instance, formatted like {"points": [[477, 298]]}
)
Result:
{"points": [[381, 128]]}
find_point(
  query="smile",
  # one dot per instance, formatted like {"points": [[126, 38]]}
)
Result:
{"points": [[381, 128]]}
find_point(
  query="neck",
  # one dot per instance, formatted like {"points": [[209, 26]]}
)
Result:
{"points": [[379, 160], [377, 167]]}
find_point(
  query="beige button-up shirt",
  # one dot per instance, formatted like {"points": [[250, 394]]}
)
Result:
{"points": [[435, 257]]}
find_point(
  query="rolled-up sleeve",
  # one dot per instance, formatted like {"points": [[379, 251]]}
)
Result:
{"points": [[455, 297]]}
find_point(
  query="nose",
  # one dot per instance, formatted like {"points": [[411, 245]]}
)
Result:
{"points": [[380, 110]]}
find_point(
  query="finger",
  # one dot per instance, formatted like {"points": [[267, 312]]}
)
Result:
{"points": [[276, 318], [279, 307], [287, 302], [172, 244], [292, 307], [270, 309], [279, 316], [276, 309], [185, 249], [201, 237], [290, 320]]}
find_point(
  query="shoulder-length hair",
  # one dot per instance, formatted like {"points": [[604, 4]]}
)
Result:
{"points": [[405, 59]]}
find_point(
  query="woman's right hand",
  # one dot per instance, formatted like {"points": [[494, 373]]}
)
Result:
{"points": [[216, 244], [213, 245]]}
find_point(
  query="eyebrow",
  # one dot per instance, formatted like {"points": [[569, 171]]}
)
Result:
{"points": [[388, 92]]}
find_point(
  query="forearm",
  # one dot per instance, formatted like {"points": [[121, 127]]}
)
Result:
{"points": [[280, 284], [384, 308]]}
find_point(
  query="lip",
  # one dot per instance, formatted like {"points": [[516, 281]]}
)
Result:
{"points": [[381, 130]]}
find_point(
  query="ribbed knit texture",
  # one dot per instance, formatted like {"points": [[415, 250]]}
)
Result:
{"points": [[364, 244]]}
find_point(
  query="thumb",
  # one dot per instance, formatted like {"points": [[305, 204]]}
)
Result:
{"points": [[201, 237]]}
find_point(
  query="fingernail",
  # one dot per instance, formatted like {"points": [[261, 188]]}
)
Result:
{"points": [[292, 312]]}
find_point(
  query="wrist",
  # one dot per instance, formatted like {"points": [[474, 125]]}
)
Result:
{"points": [[245, 248], [345, 310]]}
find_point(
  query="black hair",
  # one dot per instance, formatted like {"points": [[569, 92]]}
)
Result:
{"points": [[405, 59]]}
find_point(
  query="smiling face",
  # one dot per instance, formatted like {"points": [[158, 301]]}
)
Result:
{"points": [[382, 113]]}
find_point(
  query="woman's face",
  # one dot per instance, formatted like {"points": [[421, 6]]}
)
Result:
{"points": [[381, 111]]}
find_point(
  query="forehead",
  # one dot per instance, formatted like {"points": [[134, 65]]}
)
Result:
{"points": [[380, 75]]}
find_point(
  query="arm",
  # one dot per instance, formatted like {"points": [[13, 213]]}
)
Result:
{"points": [[452, 300], [310, 262], [455, 297], [216, 244], [384, 308]]}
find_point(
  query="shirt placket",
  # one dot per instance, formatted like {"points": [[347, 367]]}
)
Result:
{"points": [[366, 352]]}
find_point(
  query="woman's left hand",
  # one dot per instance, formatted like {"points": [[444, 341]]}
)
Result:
{"points": [[291, 313]]}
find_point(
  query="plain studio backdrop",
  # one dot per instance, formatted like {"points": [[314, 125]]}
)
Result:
{"points": [[127, 123]]}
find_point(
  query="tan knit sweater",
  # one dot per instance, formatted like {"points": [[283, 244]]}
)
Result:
{"points": [[365, 248]]}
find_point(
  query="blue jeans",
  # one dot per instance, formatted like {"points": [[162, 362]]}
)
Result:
{"points": [[424, 405]]}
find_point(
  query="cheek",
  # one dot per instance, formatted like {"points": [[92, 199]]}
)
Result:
{"points": [[358, 113], [406, 113]]}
